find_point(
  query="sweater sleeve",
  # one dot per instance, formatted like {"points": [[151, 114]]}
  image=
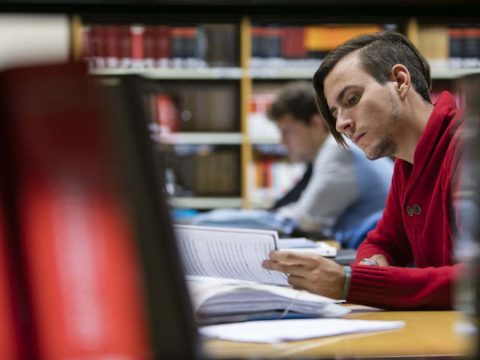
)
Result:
{"points": [[403, 288]]}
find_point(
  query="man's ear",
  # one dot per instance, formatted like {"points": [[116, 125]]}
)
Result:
{"points": [[401, 78]]}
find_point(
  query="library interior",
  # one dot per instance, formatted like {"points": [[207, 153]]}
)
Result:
{"points": [[232, 179]]}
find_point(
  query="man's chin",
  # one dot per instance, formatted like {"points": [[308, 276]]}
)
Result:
{"points": [[374, 155], [370, 154]]}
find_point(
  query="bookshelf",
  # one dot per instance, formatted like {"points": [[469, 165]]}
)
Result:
{"points": [[260, 53]]}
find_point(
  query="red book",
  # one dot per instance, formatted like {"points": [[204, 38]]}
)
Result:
{"points": [[162, 45], [112, 45], [167, 114], [77, 238], [87, 52], [125, 46], [140, 41], [298, 49], [97, 43], [149, 46]]}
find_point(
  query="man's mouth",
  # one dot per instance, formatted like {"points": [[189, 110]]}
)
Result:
{"points": [[357, 138]]}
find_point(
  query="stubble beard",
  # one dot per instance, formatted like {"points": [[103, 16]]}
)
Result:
{"points": [[385, 146]]}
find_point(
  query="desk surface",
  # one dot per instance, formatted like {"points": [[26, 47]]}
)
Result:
{"points": [[426, 333]]}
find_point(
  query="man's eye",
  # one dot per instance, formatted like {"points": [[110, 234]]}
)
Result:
{"points": [[352, 100]]}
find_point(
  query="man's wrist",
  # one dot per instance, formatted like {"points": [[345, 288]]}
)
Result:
{"points": [[346, 286]]}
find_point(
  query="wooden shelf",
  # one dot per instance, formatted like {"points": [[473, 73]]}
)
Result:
{"points": [[267, 140], [206, 202], [445, 73], [233, 73], [283, 73], [213, 138]]}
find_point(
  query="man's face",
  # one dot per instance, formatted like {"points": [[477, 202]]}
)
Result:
{"points": [[366, 112], [299, 138]]}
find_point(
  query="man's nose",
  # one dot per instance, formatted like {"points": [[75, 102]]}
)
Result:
{"points": [[344, 124]]}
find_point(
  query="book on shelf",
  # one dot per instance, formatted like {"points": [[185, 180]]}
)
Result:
{"points": [[150, 46], [194, 107], [290, 46], [454, 46], [205, 170]]}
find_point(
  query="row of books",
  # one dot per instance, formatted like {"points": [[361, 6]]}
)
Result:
{"points": [[217, 45], [300, 42], [160, 46], [206, 171], [454, 46], [269, 178], [260, 102], [195, 108]]}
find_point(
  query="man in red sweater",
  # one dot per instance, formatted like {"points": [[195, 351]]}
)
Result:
{"points": [[374, 89]]}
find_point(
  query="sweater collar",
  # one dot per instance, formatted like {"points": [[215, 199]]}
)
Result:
{"points": [[436, 128]]}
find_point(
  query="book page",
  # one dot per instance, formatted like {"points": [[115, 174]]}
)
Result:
{"points": [[294, 330], [306, 245], [228, 252]]}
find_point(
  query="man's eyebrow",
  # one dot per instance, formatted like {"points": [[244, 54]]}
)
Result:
{"points": [[341, 94]]}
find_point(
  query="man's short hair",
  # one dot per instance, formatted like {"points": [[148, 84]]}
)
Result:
{"points": [[297, 99], [378, 53]]}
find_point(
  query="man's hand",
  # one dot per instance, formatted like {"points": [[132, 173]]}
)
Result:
{"points": [[307, 271], [375, 260]]}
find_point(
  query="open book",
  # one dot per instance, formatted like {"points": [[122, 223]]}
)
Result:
{"points": [[237, 253], [220, 300], [227, 282]]}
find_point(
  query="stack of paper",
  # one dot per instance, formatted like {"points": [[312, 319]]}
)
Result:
{"points": [[218, 300], [289, 330]]}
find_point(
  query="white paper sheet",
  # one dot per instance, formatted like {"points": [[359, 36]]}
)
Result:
{"points": [[290, 330], [228, 252]]}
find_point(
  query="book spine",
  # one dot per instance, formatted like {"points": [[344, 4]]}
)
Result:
{"points": [[125, 47], [167, 114], [162, 46], [139, 45]]}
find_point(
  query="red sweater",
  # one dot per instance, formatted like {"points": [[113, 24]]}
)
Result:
{"points": [[416, 227]]}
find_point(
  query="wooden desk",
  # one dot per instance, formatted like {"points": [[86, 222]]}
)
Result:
{"points": [[426, 333]]}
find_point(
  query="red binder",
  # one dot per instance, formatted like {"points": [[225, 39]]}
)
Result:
{"points": [[80, 259]]}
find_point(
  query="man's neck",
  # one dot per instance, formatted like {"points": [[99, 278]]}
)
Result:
{"points": [[416, 122]]}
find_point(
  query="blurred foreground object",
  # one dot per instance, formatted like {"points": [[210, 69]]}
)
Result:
{"points": [[34, 39], [467, 205], [91, 269]]}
